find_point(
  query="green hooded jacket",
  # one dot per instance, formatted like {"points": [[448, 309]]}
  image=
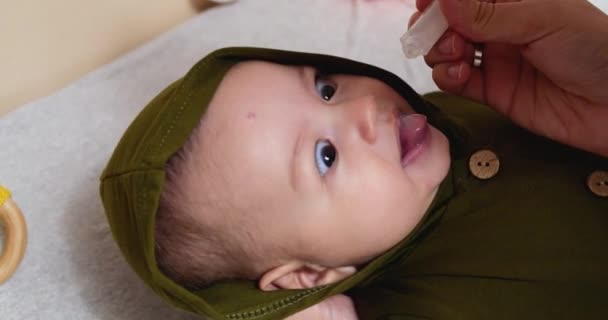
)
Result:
{"points": [[526, 241]]}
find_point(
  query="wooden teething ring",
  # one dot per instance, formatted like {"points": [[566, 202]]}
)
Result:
{"points": [[16, 235]]}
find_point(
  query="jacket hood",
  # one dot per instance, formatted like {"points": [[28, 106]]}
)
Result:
{"points": [[133, 180]]}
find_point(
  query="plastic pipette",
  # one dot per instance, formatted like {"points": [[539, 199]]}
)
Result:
{"points": [[425, 32]]}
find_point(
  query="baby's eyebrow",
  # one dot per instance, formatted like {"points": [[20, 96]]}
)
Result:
{"points": [[293, 171], [303, 78]]}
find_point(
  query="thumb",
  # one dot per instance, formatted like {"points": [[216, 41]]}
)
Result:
{"points": [[511, 21]]}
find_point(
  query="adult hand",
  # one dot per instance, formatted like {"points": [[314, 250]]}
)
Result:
{"points": [[545, 64]]}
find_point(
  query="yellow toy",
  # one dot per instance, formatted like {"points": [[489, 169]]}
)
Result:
{"points": [[16, 235]]}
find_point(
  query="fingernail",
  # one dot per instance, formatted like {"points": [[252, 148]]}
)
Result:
{"points": [[447, 45], [455, 70]]}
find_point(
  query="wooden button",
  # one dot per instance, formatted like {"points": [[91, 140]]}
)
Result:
{"points": [[598, 183], [484, 164]]}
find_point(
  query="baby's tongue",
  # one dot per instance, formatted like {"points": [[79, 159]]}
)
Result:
{"points": [[412, 131]]}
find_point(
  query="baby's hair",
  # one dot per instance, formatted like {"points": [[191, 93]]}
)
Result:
{"points": [[197, 241]]}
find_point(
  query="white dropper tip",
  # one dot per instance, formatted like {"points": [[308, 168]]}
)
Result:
{"points": [[421, 37]]}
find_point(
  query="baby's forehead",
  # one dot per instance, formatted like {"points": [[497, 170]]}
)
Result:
{"points": [[250, 123], [258, 70], [256, 87]]}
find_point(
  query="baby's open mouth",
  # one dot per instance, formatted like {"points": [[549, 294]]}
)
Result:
{"points": [[413, 135]]}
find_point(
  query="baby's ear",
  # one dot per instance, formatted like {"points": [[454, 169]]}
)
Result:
{"points": [[297, 275]]}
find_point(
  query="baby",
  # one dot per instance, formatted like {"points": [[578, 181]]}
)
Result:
{"points": [[291, 179], [282, 177], [300, 175]]}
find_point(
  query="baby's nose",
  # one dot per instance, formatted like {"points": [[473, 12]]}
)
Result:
{"points": [[367, 112], [364, 112]]}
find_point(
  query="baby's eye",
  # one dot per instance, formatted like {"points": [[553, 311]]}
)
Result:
{"points": [[325, 155], [325, 88]]}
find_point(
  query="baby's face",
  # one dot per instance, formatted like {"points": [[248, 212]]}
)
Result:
{"points": [[324, 161]]}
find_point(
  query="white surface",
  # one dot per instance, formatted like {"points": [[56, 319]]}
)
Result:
{"points": [[53, 150]]}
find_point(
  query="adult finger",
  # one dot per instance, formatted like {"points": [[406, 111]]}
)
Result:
{"points": [[514, 22], [461, 79], [422, 4], [450, 47]]}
